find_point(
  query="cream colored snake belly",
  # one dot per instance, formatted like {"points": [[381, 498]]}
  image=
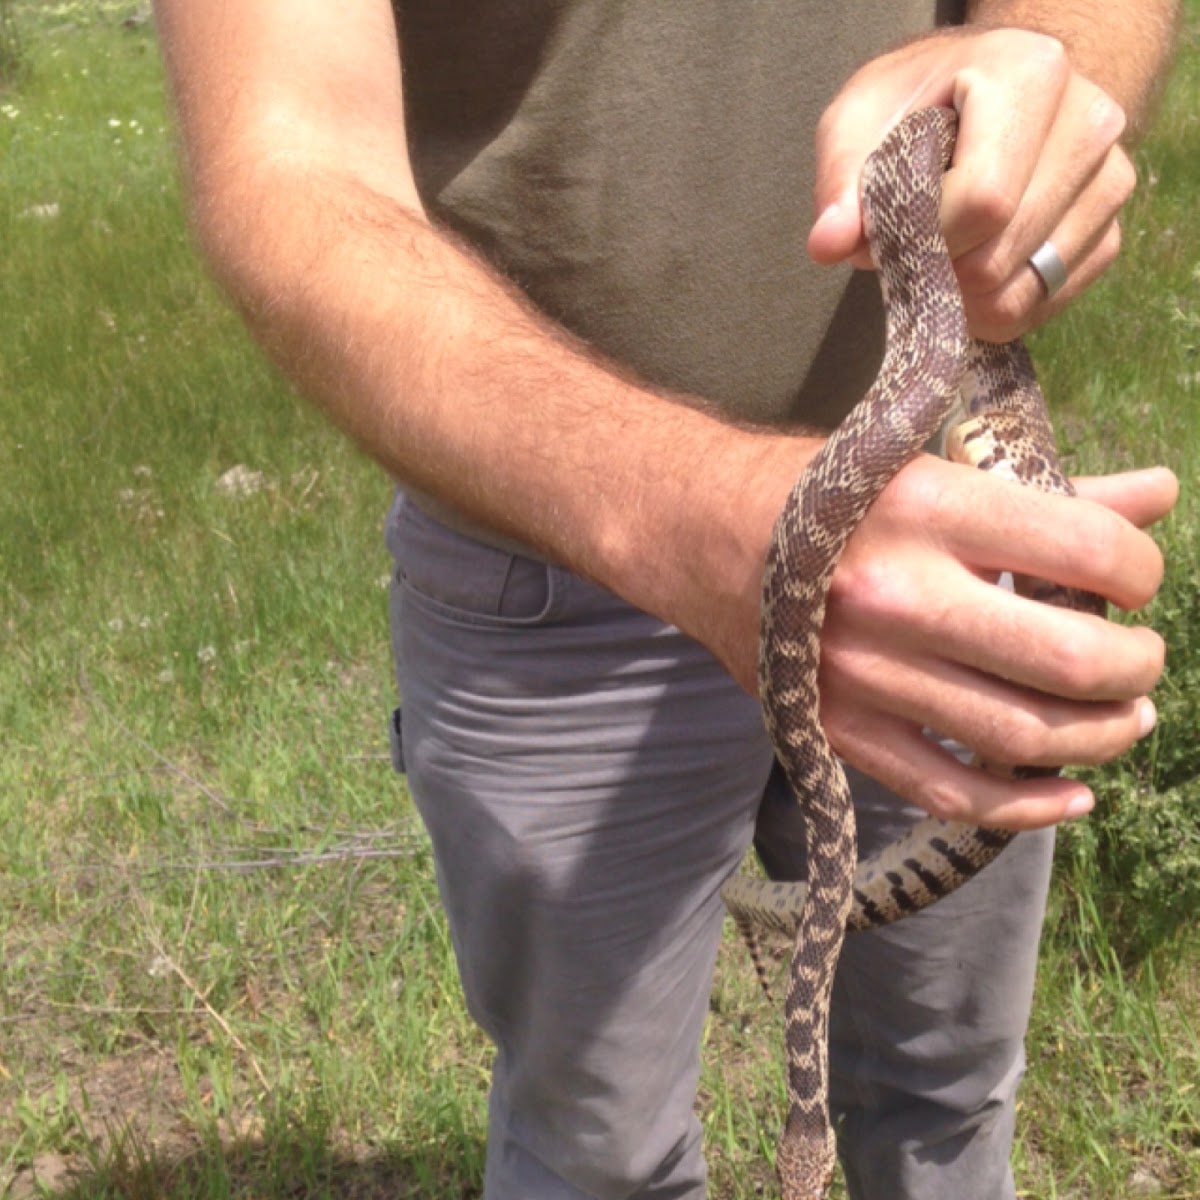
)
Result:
{"points": [[930, 366]]}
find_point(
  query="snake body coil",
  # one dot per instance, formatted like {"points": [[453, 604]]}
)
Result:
{"points": [[930, 366]]}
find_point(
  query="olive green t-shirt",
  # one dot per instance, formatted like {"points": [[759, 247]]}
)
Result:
{"points": [[643, 169]]}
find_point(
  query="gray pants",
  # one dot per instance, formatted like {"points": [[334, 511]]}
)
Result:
{"points": [[589, 778]]}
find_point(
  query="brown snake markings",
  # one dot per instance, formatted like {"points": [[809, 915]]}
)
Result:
{"points": [[930, 367]]}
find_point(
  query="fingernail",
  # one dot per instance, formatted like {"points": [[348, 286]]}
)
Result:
{"points": [[1147, 718], [1079, 806], [827, 216], [835, 211]]}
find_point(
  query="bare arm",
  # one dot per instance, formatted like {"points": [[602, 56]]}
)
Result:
{"points": [[293, 129], [292, 123]]}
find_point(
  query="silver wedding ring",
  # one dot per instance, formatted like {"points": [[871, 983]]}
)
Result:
{"points": [[1050, 268]]}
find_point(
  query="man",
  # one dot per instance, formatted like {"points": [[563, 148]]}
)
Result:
{"points": [[592, 457]]}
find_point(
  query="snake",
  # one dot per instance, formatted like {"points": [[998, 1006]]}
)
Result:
{"points": [[933, 374]]}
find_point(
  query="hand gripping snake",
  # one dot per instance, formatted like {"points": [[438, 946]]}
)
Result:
{"points": [[931, 368]]}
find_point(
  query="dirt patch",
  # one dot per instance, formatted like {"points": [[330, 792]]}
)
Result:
{"points": [[127, 1129], [135, 1100]]}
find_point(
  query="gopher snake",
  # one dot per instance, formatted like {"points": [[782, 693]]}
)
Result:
{"points": [[930, 367]]}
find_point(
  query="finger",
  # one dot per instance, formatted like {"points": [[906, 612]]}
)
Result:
{"points": [[1075, 216], [1081, 181], [903, 758], [995, 525], [947, 611], [997, 720], [1005, 296], [855, 124], [996, 212], [1053, 650], [1086, 546], [1141, 497], [1022, 303], [837, 234], [1004, 123]]}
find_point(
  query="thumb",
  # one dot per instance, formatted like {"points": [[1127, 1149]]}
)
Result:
{"points": [[837, 232], [874, 99], [842, 149]]}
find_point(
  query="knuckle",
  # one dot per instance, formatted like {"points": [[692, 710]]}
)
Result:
{"points": [[1047, 56], [1043, 56], [1026, 739], [870, 587], [1008, 307], [1002, 311], [982, 273], [850, 728], [1107, 118], [993, 202], [943, 800], [1104, 747], [1110, 245], [909, 490], [1149, 578], [926, 493], [990, 331], [1098, 544], [1097, 660], [1157, 656], [1073, 666], [1115, 733], [1123, 176]]}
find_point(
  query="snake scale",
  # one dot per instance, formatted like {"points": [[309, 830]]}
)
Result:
{"points": [[931, 369]]}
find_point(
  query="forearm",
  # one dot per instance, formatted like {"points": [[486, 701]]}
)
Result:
{"points": [[447, 377], [293, 131], [1122, 46]]}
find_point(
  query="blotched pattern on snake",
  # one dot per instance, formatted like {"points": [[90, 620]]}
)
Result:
{"points": [[931, 367]]}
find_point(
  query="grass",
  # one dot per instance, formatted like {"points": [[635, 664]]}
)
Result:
{"points": [[224, 968]]}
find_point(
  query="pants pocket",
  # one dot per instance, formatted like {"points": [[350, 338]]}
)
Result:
{"points": [[465, 580]]}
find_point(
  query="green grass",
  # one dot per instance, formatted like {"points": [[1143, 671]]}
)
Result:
{"points": [[223, 971]]}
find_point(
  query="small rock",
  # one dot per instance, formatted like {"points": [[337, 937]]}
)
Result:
{"points": [[42, 212], [47, 1173], [240, 481], [1143, 1182]]}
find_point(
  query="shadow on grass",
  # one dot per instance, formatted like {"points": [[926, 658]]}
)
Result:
{"points": [[289, 1164]]}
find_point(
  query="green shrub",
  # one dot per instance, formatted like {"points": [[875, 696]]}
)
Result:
{"points": [[1140, 852]]}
